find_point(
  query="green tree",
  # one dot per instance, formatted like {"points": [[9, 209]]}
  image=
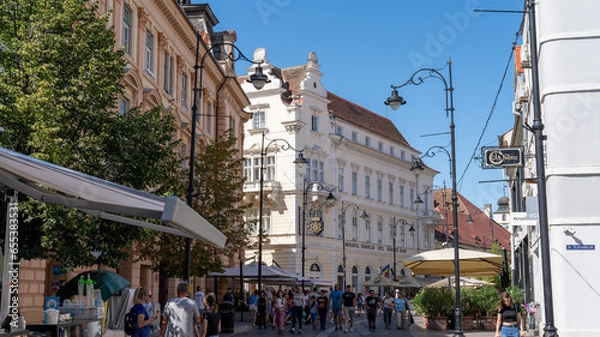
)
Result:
{"points": [[59, 85], [218, 198]]}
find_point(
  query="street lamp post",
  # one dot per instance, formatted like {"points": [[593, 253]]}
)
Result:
{"points": [[306, 187], [394, 232], [300, 160], [491, 223], [258, 79], [395, 101], [363, 216]]}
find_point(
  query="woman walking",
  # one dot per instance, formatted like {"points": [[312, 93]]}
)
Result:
{"points": [[139, 313], [509, 317], [280, 311], [262, 311]]}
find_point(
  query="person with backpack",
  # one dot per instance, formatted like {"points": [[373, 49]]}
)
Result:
{"points": [[142, 321], [180, 315], [211, 323]]}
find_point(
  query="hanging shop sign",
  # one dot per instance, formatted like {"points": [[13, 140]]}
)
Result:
{"points": [[500, 157]]}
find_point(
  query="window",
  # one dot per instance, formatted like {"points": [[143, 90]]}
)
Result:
{"points": [[339, 130], [380, 232], [256, 169], [354, 229], [402, 155], [184, 91], [380, 146], [315, 171], [252, 168], [168, 73], [391, 150], [368, 141], [248, 169], [401, 196], [208, 118], [315, 123], [269, 168], [123, 106], [391, 193], [412, 198], [368, 233], [258, 120], [354, 183], [149, 52], [340, 226], [402, 242], [354, 136], [379, 190], [126, 33], [340, 179], [367, 187], [253, 223]]}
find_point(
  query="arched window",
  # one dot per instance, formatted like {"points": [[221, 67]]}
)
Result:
{"points": [[315, 267]]}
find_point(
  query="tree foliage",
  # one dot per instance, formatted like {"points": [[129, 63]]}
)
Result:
{"points": [[59, 85], [218, 196]]}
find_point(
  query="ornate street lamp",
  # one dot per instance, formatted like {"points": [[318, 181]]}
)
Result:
{"points": [[330, 198], [363, 216], [395, 101], [394, 232], [258, 80], [300, 161]]}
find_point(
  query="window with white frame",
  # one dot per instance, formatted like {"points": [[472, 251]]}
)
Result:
{"points": [[314, 123], [367, 187], [339, 130], [149, 53], [256, 169], [208, 119], [168, 71], [184, 91], [354, 136], [340, 226], [354, 183], [315, 170], [380, 146], [368, 231], [379, 190], [380, 232], [368, 141], [258, 120], [391, 192], [391, 150], [124, 105], [412, 198], [401, 196], [354, 228], [269, 168], [126, 33], [248, 169], [402, 155], [252, 221], [402, 239], [340, 179]]}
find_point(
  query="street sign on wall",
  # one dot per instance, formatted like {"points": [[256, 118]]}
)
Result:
{"points": [[500, 157]]}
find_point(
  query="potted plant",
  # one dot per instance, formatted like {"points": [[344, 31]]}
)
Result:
{"points": [[434, 304], [486, 300], [468, 306]]}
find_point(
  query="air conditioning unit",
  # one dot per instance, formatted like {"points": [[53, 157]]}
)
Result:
{"points": [[517, 108], [522, 93], [525, 57]]}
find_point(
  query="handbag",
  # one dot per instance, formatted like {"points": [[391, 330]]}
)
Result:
{"points": [[411, 318]]}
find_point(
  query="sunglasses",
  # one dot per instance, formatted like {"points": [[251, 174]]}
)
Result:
{"points": [[149, 295]]}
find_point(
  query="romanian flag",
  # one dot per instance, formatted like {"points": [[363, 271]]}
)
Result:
{"points": [[386, 271]]}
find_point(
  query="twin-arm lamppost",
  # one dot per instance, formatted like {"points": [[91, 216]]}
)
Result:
{"points": [[300, 161], [363, 216], [258, 80], [330, 198], [491, 221], [395, 101], [394, 232]]}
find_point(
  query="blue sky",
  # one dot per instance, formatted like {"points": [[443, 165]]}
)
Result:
{"points": [[364, 48]]}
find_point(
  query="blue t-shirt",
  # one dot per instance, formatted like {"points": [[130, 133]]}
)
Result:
{"points": [[336, 298], [400, 304], [144, 331]]}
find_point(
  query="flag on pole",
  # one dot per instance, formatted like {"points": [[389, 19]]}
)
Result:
{"points": [[386, 271]]}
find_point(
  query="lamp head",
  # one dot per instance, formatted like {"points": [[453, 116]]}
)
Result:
{"points": [[418, 200], [470, 220], [395, 101], [330, 197], [364, 215], [411, 230], [417, 165], [258, 79], [300, 160]]}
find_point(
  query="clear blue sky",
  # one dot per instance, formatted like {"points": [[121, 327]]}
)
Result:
{"points": [[364, 47]]}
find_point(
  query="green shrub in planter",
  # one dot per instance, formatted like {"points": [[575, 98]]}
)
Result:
{"points": [[486, 300], [467, 301], [434, 302]]}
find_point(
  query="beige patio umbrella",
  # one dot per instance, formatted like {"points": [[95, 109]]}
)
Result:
{"points": [[464, 282], [380, 281], [440, 262], [408, 282]]}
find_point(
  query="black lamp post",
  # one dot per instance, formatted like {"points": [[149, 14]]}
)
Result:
{"points": [[491, 221], [300, 160], [363, 216], [395, 101], [258, 79], [394, 232], [306, 187]]}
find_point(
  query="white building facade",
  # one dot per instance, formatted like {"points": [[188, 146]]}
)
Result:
{"points": [[567, 42], [358, 155]]}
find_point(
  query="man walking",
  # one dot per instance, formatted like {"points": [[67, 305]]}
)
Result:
{"points": [[199, 298], [297, 309], [179, 315], [401, 310], [335, 303], [349, 303], [322, 309], [372, 304]]}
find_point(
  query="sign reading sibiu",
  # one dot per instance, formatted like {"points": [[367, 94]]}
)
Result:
{"points": [[499, 157]]}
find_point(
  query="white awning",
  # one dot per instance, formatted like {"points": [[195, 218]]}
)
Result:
{"points": [[103, 198]]}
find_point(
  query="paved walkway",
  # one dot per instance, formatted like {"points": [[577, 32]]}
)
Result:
{"points": [[246, 329]]}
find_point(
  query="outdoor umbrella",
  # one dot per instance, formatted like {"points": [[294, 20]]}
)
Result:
{"points": [[464, 282], [408, 282], [380, 281], [107, 281], [440, 262]]}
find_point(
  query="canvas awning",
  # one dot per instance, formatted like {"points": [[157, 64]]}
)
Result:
{"points": [[39, 179]]}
